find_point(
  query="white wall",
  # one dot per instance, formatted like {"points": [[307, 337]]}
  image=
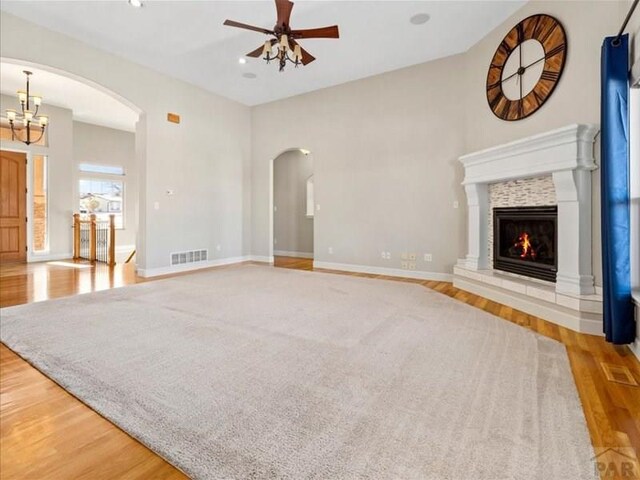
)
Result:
{"points": [[293, 230], [386, 174], [386, 147], [576, 99], [107, 146], [59, 152], [204, 160]]}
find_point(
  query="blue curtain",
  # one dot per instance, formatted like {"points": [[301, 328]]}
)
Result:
{"points": [[619, 325]]}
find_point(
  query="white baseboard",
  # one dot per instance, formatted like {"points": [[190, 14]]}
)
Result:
{"points": [[392, 272], [187, 267], [260, 258], [286, 253], [46, 257], [635, 348], [52, 257]]}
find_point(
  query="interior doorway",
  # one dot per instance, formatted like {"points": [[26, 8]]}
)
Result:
{"points": [[13, 206], [293, 209], [87, 164]]}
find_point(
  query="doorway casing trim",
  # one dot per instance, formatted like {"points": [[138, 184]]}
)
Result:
{"points": [[271, 201]]}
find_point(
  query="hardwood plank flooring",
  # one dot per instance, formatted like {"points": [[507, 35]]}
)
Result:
{"points": [[46, 433]]}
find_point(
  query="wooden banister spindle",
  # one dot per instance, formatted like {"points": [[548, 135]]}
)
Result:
{"points": [[93, 241], [76, 236], [112, 240]]}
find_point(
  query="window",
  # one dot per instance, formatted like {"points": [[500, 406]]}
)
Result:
{"points": [[102, 197], [102, 169], [634, 190], [310, 196], [40, 206]]}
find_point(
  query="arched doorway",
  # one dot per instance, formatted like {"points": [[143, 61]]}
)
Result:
{"points": [[292, 208], [90, 140]]}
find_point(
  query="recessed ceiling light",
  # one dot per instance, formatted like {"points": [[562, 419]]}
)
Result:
{"points": [[135, 3], [420, 18], [242, 60], [249, 75]]}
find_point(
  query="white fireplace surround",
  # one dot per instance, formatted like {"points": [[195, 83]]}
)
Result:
{"points": [[567, 155]]}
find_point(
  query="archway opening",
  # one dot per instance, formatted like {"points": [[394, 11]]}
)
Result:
{"points": [[86, 160], [293, 209]]}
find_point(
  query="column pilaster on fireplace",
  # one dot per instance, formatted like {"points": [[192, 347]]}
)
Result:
{"points": [[573, 191], [478, 210]]}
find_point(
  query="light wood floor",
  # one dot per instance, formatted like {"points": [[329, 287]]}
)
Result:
{"points": [[46, 433]]}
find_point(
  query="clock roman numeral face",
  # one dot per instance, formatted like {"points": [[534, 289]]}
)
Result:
{"points": [[526, 67]]}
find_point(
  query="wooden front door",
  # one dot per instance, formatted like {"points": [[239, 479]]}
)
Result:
{"points": [[13, 207]]}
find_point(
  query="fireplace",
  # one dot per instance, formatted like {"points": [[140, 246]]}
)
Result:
{"points": [[525, 241]]}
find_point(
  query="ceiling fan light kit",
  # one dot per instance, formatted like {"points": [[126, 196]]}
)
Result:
{"points": [[285, 41]]}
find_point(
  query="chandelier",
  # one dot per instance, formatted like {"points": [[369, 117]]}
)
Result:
{"points": [[28, 117], [283, 52]]}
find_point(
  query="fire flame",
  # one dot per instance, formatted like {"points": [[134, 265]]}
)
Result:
{"points": [[524, 244]]}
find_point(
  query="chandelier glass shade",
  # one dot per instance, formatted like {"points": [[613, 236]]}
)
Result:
{"points": [[280, 50], [33, 124]]}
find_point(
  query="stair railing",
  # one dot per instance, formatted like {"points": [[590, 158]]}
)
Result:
{"points": [[94, 240]]}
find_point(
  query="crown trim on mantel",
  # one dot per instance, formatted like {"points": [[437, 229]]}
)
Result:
{"points": [[567, 155], [568, 148]]}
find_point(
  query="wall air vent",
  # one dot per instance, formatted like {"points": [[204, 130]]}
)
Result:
{"points": [[191, 256]]}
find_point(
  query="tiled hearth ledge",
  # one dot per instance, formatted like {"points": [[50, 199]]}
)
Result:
{"points": [[567, 155], [582, 313]]}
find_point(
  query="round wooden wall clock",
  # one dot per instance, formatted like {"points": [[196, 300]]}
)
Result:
{"points": [[526, 67]]}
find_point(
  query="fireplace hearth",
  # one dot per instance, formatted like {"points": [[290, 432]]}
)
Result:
{"points": [[566, 154], [525, 241]]}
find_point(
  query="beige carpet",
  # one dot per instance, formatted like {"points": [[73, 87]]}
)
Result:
{"points": [[256, 372]]}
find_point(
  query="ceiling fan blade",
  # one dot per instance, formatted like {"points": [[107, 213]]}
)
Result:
{"points": [[283, 7], [323, 32], [258, 51], [231, 23], [306, 56]]}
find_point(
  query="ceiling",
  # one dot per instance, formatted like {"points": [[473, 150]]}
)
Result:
{"points": [[186, 39], [88, 104]]}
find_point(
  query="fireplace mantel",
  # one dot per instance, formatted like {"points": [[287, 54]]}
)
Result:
{"points": [[567, 148], [567, 155]]}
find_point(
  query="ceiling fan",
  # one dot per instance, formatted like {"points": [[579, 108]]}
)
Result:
{"points": [[285, 39]]}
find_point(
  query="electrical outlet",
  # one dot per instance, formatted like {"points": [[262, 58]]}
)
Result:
{"points": [[330, 250], [456, 204], [218, 247], [412, 256], [403, 255], [275, 208], [383, 255], [404, 265], [275, 241], [388, 255], [428, 257], [412, 266]]}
